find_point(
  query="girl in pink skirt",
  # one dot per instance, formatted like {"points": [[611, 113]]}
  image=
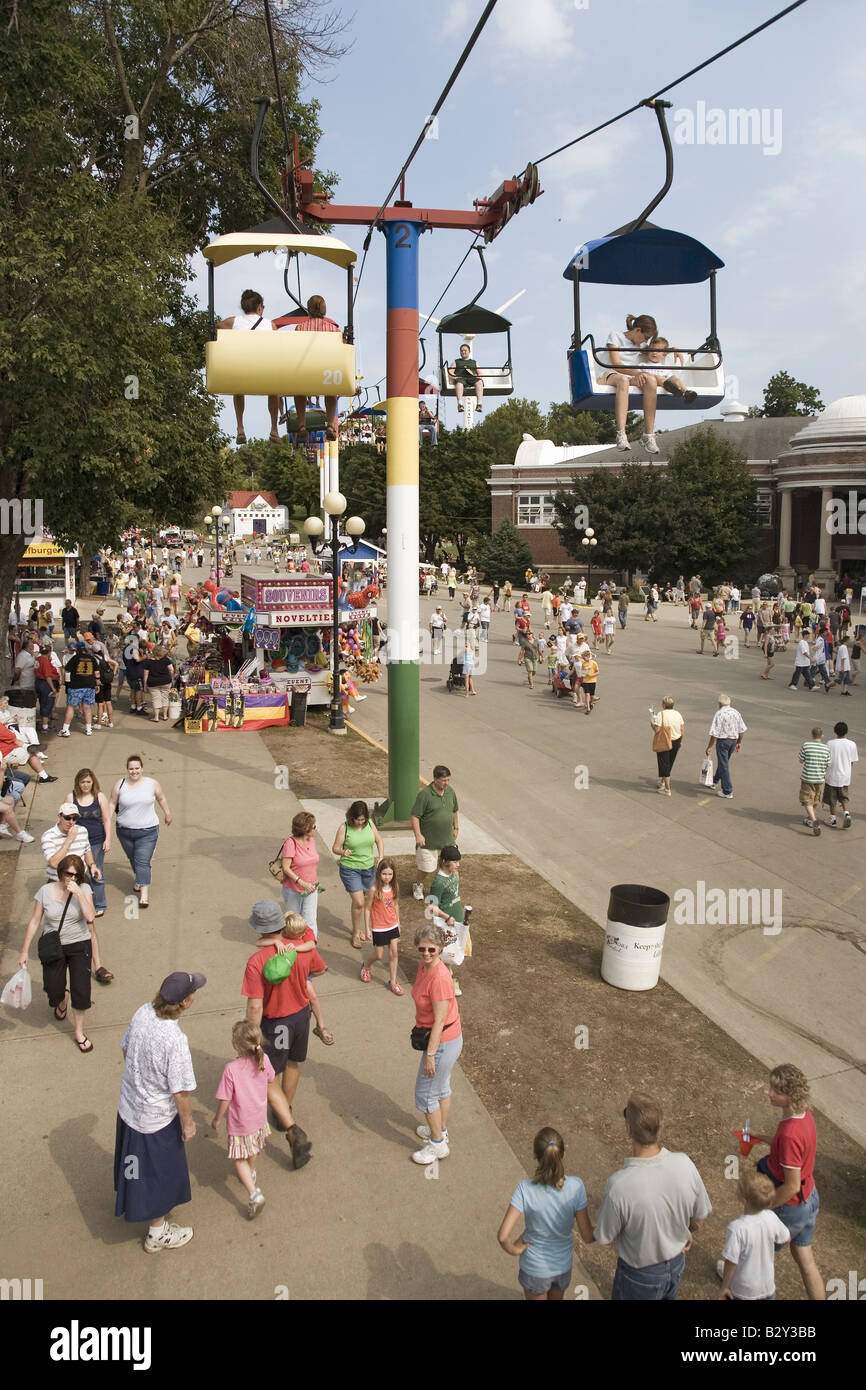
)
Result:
{"points": [[243, 1092]]}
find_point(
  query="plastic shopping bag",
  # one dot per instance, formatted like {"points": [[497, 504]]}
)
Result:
{"points": [[707, 772], [17, 992]]}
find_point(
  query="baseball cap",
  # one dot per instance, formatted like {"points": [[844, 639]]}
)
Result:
{"points": [[177, 986], [68, 809]]}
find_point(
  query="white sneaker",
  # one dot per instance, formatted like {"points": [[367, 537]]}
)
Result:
{"points": [[24, 838], [728, 796], [649, 443], [63, 733], [88, 731], [423, 1132], [170, 1238], [622, 440], [255, 1204], [430, 1152], [418, 891], [4, 830]]}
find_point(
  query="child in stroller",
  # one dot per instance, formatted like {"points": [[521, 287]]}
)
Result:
{"points": [[456, 679]]}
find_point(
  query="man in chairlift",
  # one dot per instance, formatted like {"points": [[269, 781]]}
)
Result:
{"points": [[250, 320], [466, 376], [316, 322]]}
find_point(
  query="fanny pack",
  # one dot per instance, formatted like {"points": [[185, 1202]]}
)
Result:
{"points": [[420, 1037]]}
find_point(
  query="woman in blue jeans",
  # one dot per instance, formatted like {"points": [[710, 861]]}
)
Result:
{"points": [[133, 799], [94, 814], [358, 845]]}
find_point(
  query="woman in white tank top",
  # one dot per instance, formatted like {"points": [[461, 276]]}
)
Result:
{"points": [[134, 800], [252, 320]]}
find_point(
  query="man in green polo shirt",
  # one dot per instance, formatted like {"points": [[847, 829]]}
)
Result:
{"points": [[815, 759], [466, 377], [434, 823]]}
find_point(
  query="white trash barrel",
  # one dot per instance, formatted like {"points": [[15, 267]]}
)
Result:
{"points": [[634, 936]]}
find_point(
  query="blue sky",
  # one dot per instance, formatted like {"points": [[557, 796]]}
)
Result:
{"points": [[784, 213]]}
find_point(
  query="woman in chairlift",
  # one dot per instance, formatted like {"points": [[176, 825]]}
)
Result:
{"points": [[316, 322], [252, 319], [626, 372], [466, 377]]}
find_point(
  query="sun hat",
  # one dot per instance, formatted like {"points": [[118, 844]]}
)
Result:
{"points": [[266, 917]]}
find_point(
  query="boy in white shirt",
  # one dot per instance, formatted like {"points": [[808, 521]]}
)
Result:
{"points": [[751, 1241], [657, 360]]}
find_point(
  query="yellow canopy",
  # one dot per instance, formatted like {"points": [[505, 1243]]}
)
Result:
{"points": [[234, 244]]}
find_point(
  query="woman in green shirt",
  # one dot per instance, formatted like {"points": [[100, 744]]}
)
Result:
{"points": [[358, 845]]}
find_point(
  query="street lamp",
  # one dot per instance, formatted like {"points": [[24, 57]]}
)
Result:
{"points": [[335, 505], [589, 541]]}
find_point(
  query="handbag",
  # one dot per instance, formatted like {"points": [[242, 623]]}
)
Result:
{"points": [[662, 740], [275, 867], [48, 947]]}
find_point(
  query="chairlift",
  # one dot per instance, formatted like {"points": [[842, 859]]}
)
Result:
{"points": [[642, 253], [470, 322]]}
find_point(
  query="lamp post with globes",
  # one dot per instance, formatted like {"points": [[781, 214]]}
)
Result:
{"points": [[214, 519], [335, 505], [589, 540]]}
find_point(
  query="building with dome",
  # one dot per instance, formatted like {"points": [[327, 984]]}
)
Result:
{"points": [[810, 478]]}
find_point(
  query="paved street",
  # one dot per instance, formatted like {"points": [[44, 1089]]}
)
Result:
{"points": [[792, 996]]}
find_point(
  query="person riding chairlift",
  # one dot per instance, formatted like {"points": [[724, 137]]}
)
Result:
{"points": [[249, 321]]}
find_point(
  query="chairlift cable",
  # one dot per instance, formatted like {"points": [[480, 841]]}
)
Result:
{"points": [[284, 123], [450, 283], [455, 73], [675, 83]]}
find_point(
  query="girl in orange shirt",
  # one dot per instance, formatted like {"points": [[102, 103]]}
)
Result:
{"points": [[383, 919]]}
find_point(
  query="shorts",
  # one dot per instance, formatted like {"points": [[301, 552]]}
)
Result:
{"points": [[286, 1039], [248, 1145], [800, 1218], [426, 860], [430, 1090], [83, 695], [589, 687], [103, 695], [810, 793], [835, 796], [542, 1283], [529, 662], [382, 938], [357, 880], [133, 682], [158, 696], [18, 757]]}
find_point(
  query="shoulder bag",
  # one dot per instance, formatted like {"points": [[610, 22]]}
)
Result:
{"points": [[48, 948], [275, 867], [662, 740]]}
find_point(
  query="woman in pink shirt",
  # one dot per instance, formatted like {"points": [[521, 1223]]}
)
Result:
{"points": [[439, 1037], [243, 1093], [301, 870]]}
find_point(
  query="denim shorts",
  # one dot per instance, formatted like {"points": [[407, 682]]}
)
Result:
{"points": [[357, 880], [800, 1219], [430, 1090], [535, 1283], [650, 1284]]}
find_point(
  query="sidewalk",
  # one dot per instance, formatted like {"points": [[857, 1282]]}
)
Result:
{"points": [[361, 1221]]}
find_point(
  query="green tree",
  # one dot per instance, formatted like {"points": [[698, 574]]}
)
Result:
{"points": [[627, 509], [503, 429], [455, 498], [278, 468], [362, 482], [713, 526], [784, 396], [565, 425], [504, 555]]}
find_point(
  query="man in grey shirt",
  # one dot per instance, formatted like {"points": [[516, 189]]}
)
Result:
{"points": [[650, 1208]]}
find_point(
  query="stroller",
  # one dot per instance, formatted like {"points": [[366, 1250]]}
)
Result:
{"points": [[456, 679]]}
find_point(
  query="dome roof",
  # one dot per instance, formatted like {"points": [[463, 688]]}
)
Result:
{"points": [[843, 422]]}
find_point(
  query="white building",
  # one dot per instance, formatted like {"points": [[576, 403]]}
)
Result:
{"points": [[256, 514]]}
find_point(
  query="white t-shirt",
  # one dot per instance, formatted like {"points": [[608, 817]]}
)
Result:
{"points": [[484, 612], [750, 1243], [607, 623], [843, 659], [820, 606], [245, 323], [804, 653], [616, 339], [25, 663], [735, 594], [843, 752]]}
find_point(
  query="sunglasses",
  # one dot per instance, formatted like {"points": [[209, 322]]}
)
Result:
{"points": [[428, 950]]}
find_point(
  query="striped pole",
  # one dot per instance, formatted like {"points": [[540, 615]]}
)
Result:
{"points": [[402, 517]]}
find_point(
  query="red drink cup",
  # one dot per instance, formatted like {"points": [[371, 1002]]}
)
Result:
{"points": [[747, 1142]]}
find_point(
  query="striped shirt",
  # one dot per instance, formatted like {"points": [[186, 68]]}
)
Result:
{"points": [[815, 757], [320, 325]]}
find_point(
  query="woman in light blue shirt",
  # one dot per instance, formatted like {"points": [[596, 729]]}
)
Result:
{"points": [[550, 1204]]}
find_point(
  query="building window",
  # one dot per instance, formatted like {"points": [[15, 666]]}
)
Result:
{"points": [[764, 507], [536, 509]]}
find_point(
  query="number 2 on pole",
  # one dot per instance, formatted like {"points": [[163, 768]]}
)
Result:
{"points": [[403, 238]]}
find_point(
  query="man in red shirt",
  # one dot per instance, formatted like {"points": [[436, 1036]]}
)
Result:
{"points": [[14, 754], [316, 323], [282, 1011], [47, 684]]}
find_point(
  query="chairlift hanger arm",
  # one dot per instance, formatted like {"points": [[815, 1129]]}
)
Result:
{"points": [[264, 105], [659, 107]]}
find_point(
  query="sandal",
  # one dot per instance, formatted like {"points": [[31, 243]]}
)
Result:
{"points": [[100, 913], [365, 974], [85, 1045], [357, 945], [395, 988], [103, 975], [325, 1034], [60, 1017]]}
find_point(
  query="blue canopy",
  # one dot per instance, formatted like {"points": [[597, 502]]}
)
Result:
{"points": [[651, 256]]}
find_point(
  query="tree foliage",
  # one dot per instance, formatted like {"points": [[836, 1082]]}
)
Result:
{"points": [[565, 425], [784, 396], [504, 555], [697, 514]]}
